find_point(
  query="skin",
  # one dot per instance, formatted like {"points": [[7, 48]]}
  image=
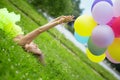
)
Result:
{"points": [[26, 41]]}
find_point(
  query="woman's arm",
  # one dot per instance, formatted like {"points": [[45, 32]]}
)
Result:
{"points": [[32, 35], [26, 41]]}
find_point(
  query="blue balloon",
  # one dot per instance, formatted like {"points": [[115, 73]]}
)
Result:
{"points": [[96, 1], [81, 39]]}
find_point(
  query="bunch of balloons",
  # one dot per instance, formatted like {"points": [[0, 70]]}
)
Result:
{"points": [[101, 31]]}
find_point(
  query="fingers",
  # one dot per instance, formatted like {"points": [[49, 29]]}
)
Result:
{"points": [[69, 18], [66, 19]]}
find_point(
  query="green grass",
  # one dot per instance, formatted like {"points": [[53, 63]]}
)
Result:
{"points": [[65, 42], [15, 64]]}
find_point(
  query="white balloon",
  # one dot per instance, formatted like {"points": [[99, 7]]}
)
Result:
{"points": [[116, 8]]}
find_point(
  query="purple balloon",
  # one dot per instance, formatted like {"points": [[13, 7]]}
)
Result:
{"points": [[96, 1], [102, 36], [102, 12]]}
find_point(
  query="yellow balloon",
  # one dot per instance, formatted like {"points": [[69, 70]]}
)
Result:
{"points": [[84, 25], [114, 50], [95, 58]]}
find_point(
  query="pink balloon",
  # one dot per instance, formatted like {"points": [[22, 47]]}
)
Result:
{"points": [[116, 8], [115, 25], [102, 12], [110, 58]]}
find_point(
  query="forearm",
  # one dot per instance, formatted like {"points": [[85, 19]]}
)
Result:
{"points": [[47, 26]]}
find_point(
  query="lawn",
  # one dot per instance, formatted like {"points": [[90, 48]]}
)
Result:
{"points": [[64, 61]]}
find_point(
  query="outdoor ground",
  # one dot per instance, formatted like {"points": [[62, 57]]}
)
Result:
{"points": [[64, 61]]}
